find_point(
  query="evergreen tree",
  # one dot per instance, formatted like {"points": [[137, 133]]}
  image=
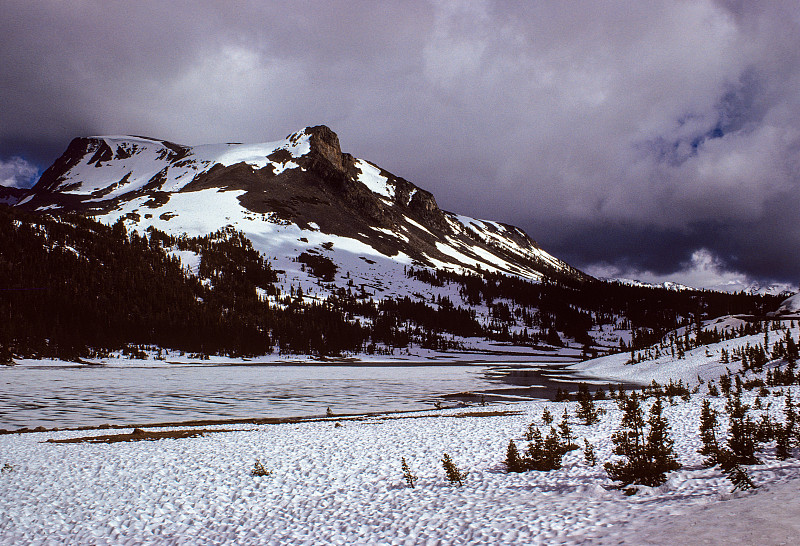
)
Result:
{"points": [[708, 434], [588, 453], [454, 475], [547, 417], [647, 454], [738, 477], [783, 444], [725, 384], [658, 449], [513, 461], [545, 454], [411, 479], [790, 414], [532, 431], [587, 411], [785, 436], [741, 432], [566, 432]]}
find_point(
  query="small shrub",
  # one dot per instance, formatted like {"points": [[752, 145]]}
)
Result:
{"points": [[259, 470], [411, 479], [588, 453], [547, 417], [734, 472], [454, 475]]}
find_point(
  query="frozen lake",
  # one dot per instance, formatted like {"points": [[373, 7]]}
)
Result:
{"points": [[73, 395]]}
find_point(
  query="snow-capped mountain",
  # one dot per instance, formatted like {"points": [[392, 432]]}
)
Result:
{"points": [[772, 289], [789, 307], [300, 194], [668, 285]]}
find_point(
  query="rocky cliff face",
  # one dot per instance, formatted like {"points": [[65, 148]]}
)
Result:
{"points": [[304, 181]]}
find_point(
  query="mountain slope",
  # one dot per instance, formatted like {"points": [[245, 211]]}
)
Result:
{"points": [[293, 196]]}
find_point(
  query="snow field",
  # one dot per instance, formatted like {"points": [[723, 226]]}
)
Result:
{"points": [[703, 362], [343, 485]]}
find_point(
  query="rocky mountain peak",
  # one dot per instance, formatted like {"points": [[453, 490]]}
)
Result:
{"points": [[325, 142], [302, 187]]}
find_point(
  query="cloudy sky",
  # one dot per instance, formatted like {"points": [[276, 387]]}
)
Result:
{"points": [[657, 140]]}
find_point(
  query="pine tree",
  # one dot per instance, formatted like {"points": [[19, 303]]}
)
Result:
{"points": [[547, 417], [544, 454], [628, 442], [588, 453], [587, 411], [566, 432], [741, 432], [532, 430], [708, 434], [725, 384], [790, 414], [454, 475], [786, 433], [513, 461], [648, 456], [782, 444], [554, 450], [658, 450], [410, 478], [739, 478]]}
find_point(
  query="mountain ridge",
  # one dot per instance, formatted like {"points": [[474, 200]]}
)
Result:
{"points": [[304, 180]]}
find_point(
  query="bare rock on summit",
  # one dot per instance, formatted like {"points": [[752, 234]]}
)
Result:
{"points": [[326, 143]]}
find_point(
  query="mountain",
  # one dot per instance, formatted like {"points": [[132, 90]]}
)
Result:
{"points": [[293, 247], [667, 285], [11, 196], [789, 307], [293, 197]]}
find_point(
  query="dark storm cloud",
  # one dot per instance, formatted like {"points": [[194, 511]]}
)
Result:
{"points": [[665, 133]]}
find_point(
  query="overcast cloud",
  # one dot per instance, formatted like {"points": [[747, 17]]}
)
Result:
{"points": [[634, 137]]}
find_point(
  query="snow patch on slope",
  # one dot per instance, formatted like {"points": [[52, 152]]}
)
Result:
{"points": [[371, 177], [790, 306]]}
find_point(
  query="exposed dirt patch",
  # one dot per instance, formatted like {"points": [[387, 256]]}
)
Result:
{"points": [[138, 435]]}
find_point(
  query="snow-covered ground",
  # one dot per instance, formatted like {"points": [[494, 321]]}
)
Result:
{"points": [[343, 485], [701, 362], [338, 480]]}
